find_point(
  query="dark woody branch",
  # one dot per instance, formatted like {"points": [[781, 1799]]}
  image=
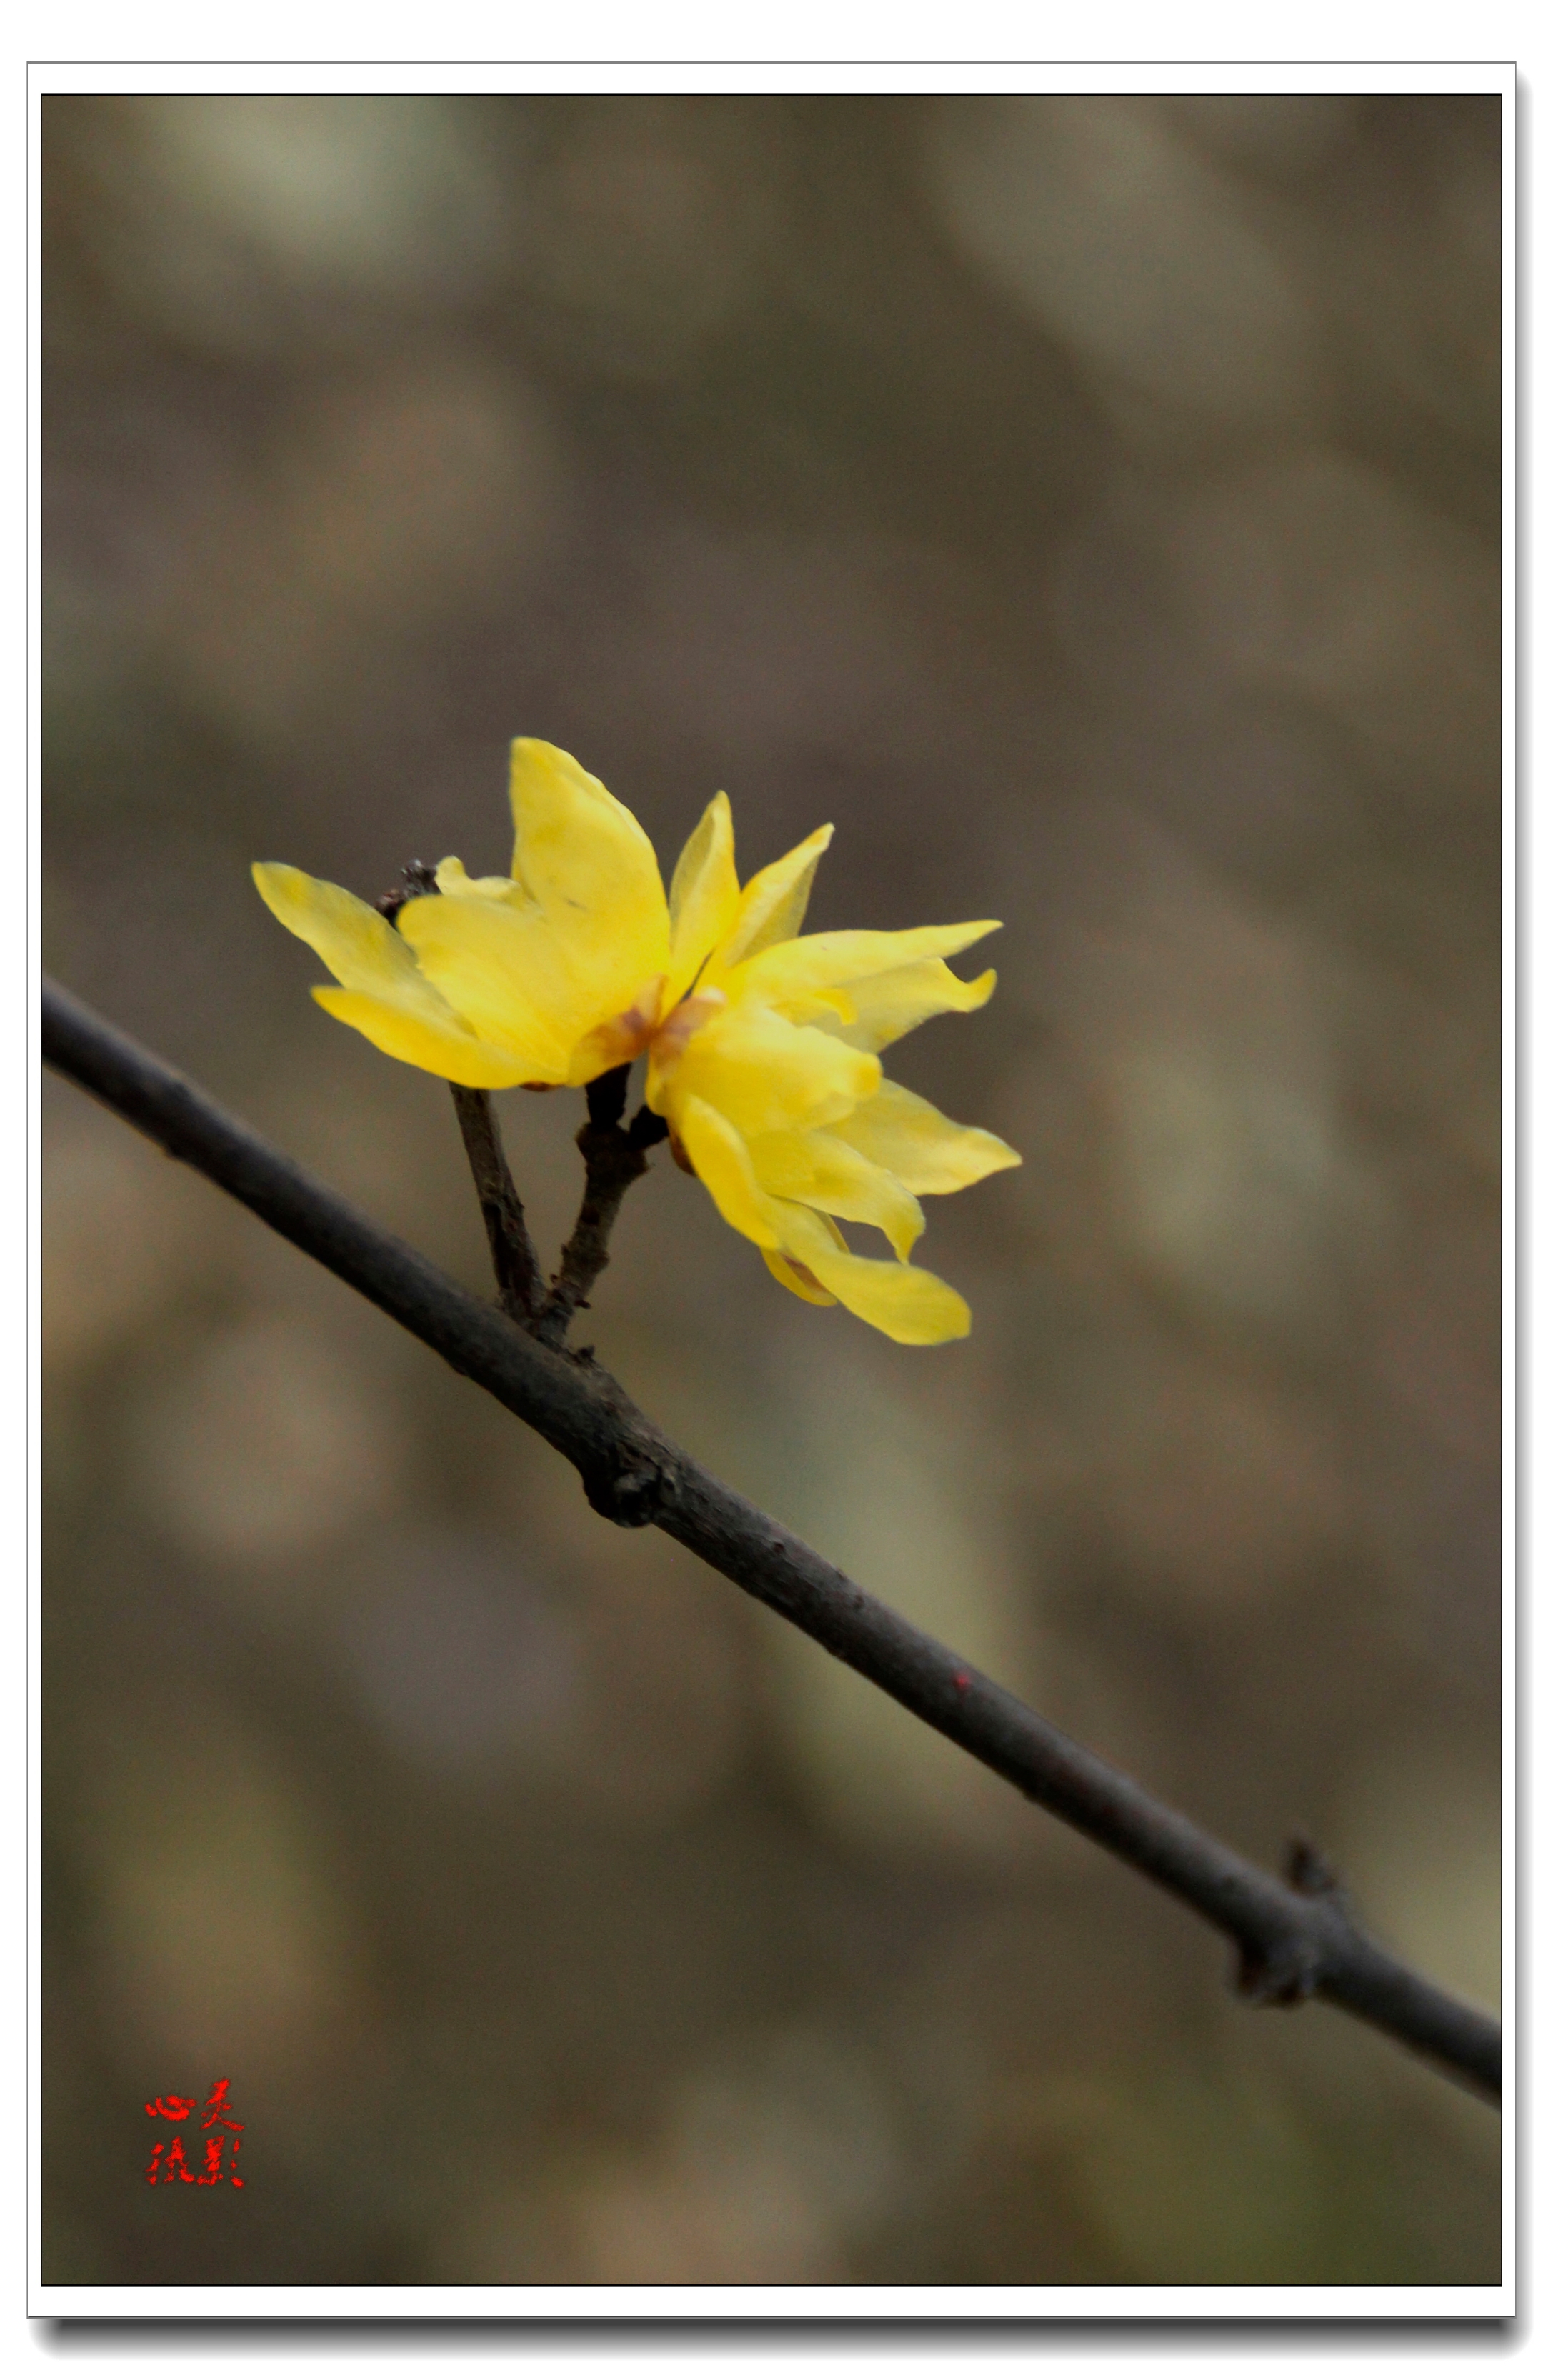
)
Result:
{"points": [[612, 1162], [1295, 1938]]}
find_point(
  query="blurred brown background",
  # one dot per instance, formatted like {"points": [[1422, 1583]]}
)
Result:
{"points": [[1092, 506]]}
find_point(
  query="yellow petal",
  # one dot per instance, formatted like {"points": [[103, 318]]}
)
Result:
{"points": [[818, 1007], [804, 1249], [917, 1144], [585, 864], [797, 1278], [704, 897], [763, 1074], [619, 1039], [818, 962], [721, 1162], [386, 997], [452, 877], [903, 1302], [820, 1169], [456, 1054], [889, 1005], [502, 969], [538, 960], [349, 936], [770, 907]]}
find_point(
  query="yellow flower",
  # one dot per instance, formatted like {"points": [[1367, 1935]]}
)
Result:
{"points": [[762, 1044]]}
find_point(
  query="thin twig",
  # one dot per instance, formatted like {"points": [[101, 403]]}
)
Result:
{"points": [[1293, 1938], [517, 1268], [612, 1162]]}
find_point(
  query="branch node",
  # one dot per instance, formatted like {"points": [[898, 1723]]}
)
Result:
{"points": [[607, 1098], [646, 1129], [1280, 1974], [1290, 1967], [633, 1493], [1307, 1871]]}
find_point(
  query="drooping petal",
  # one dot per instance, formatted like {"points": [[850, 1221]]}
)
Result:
{"points": [[501, 967], [901, 1300], [888, 1005], [721, 1162], [403, 1033], [915, 1143], [763, 1074], [797, 1278], [820, 1169], [704, 897], [770, 907], [845, 961]]}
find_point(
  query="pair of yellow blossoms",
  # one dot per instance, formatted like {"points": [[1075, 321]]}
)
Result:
{"points": [[762, 1044]]}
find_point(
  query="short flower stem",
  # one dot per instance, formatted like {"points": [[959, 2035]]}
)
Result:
{"points": [[515, 1267], [612, 1162]]}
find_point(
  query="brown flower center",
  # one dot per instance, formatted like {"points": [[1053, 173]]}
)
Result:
{"points": [[686, 1017], [643, 1027]]}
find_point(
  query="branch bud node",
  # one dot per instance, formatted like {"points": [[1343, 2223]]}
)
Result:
{"points": [[633, 1495]]}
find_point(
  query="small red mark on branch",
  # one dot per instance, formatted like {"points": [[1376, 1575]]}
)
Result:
{"points": [[962, 1679]]}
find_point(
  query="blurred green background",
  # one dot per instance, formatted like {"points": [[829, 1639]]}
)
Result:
{"points": [[1092, 506]]}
